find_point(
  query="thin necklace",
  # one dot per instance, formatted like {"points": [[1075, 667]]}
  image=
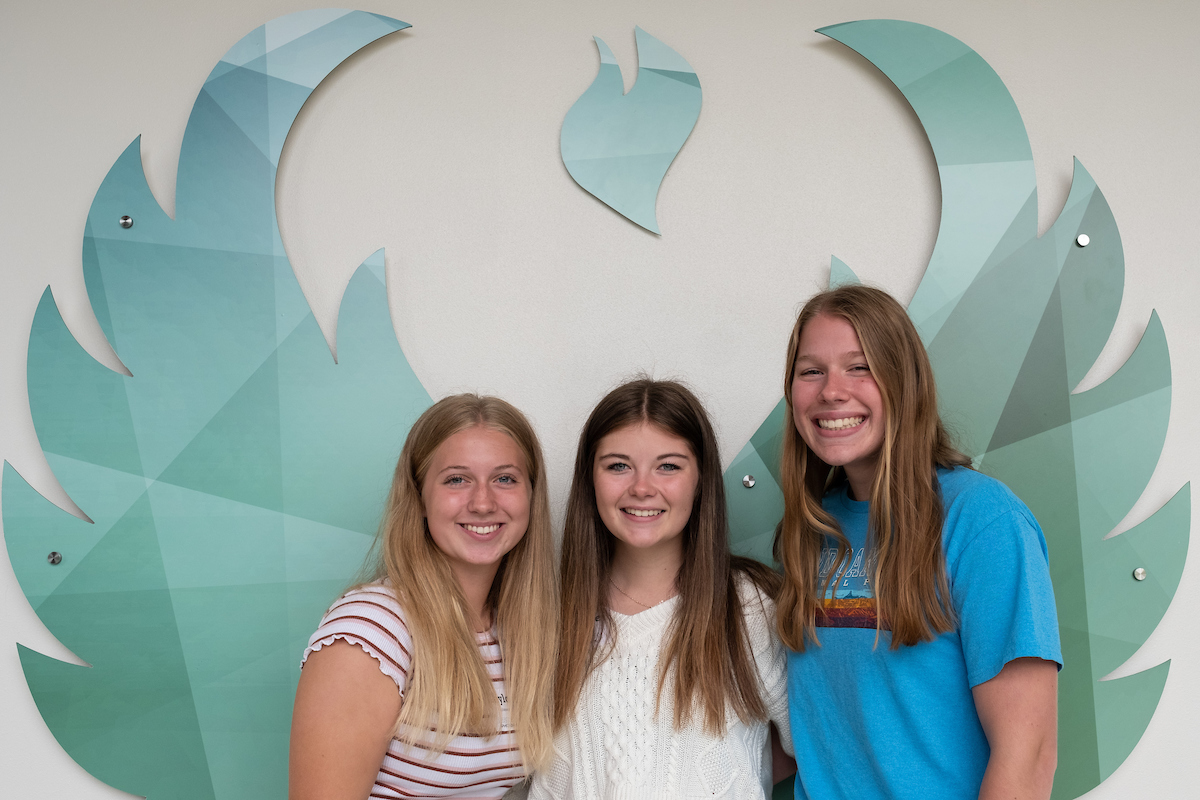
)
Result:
{"points": [[639, 602]]}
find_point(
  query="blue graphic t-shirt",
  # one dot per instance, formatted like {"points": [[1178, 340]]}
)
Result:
{"points": [[870, 722]]}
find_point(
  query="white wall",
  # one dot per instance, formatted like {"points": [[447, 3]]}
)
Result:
{"points": [[442, 145]]}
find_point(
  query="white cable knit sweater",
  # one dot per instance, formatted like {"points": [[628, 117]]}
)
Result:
{"points": [[616, 748]]}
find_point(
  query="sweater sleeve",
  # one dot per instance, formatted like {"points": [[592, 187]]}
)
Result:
{"points": [[371, 618], [758, 610]]}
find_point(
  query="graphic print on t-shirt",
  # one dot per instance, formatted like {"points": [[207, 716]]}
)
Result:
{"points": [[850, 601]]}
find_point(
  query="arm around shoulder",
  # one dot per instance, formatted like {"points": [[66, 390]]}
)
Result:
{"points": [[341, 725], [1018, 710]]}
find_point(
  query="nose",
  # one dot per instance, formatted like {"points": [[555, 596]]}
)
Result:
{"points": [[834, 390], [481, 501], [643, 485]]}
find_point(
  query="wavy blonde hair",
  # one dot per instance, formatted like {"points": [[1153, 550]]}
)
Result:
{"points": [[448, 681], [905, 523]]}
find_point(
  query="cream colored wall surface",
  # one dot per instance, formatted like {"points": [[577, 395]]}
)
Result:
{"points": [[441, 144]]}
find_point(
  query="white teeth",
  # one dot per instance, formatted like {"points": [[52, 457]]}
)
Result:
{"points": [[639, 512], [838, 424], [482, 528]]}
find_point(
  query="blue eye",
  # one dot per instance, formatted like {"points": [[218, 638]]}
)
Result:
{"points": [[506, 479], [454, 480], [617, 466], [669, 467]]}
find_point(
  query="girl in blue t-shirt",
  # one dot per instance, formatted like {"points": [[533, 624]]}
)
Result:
{"points": [[917, 602]]}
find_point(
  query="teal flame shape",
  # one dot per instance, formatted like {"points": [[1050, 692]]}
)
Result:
{"points": [[618, 146], [1013, 322], [236, 479]]}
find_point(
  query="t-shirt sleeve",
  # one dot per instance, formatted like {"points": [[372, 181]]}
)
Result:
{"points": [[371, 618], [1003, 595]]}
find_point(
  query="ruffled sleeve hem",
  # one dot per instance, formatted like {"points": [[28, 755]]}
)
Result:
{"points": [[384, 665]]}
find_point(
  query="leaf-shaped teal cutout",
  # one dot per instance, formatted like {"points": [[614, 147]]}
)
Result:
{"points": [[1012, 323], [840, 274], [618, 146], [236, 480]]}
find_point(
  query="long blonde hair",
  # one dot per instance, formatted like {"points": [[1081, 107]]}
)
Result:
{"points": [[707, 642], [906, 515], [448, 682]]}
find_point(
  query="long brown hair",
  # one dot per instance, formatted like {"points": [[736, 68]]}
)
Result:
{"points": [[707, 641], [448, 681], [906, 515]]}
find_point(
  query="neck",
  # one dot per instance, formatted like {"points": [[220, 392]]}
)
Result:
{"points": [[861, 479], [476, 585], [647, 575]]}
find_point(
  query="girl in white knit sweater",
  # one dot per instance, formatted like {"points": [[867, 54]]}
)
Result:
{"points": [[669, 671]]}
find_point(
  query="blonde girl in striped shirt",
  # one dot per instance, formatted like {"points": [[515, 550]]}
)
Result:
{"points": [[434, 678]]}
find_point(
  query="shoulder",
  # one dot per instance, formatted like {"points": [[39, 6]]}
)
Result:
{"points": [[754, 586], [965, 485], [758, 609], [979, 507], [748, 590], [371, 617], [967, 492], [373, 603]]}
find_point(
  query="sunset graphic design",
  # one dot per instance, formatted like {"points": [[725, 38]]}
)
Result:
{"points": [[853, 602], [849, 612]]}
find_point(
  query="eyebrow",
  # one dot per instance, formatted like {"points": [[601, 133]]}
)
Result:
{"points": [[658, 458], [847, 354], [468, 469]]}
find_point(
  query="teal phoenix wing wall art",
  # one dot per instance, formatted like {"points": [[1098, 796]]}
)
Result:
{"points": [[235, 481], [618, 146], [1013, 322]]}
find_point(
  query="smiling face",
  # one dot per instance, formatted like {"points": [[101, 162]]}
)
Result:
{"points": [[836, 404], [476, 497], [645, 480]]}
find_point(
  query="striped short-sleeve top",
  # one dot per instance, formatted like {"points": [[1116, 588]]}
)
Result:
{"points": [[471, 766]]}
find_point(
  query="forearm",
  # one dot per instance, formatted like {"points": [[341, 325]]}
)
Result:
{"points": [[1022, 771]]}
